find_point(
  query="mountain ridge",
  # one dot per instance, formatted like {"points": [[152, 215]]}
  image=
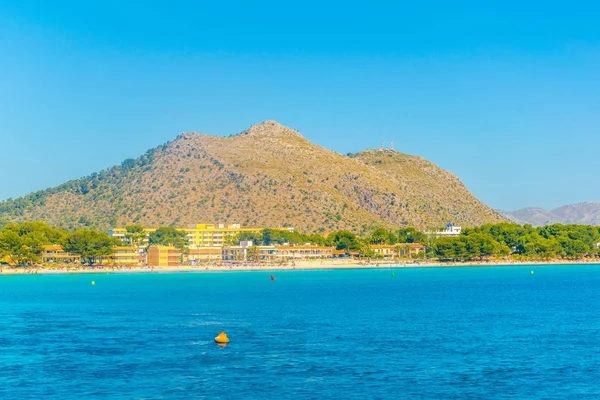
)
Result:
{"points": [[267, 175], [585, 213]]}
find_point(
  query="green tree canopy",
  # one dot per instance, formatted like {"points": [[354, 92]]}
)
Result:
{"points": [[135, 234], [382, 236], [506, 233], [255, 237], [24, 243], [345, 240], [267, 237], [169, 236], [21, 250], [469, 247], [90, 245], [253, 254], [410, 235]]}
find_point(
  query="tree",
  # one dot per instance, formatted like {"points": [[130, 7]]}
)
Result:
{"points": [[446, 247], [135, 234], [280, 236], [345, 240], [41, 231], [24, 243], [410, 235], [536, 246], [267, 237], [255, 237], [469, 247], [401, 250], [17, 248], [366, 250], [169, 236], [252, 253], [381, 236], [316, 239], [89, 245], [575, 240], [230, 240]]}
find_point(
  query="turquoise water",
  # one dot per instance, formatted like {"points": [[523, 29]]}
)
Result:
{"points": [[424, 333]]}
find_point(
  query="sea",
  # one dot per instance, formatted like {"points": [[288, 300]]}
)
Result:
{"points": [[414, 333]]}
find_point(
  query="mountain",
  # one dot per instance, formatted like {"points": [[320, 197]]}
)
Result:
{"points": [[587, 213], [269, 175]]}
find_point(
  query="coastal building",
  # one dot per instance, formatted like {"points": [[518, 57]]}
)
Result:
{"points": [[203, 254], [56, 253], [214, 235], [345, 253], [198, 235], [247, 251], [307, 251], [121, 234], [339, 253], [126, 255], [450, 230], [244, 250], [163, 256], [398, 250]]}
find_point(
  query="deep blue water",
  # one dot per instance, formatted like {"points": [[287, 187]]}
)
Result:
{"points": [[426, 333]]}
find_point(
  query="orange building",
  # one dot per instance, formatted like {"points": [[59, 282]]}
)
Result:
{"points": [[163, 256]]}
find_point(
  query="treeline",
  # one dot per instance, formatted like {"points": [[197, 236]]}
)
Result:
{"points": [[23, 243], [486, 241], [341, 240], [521, 242]]}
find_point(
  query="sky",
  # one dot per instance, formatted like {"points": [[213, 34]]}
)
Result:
{"points": [[504, 94]]}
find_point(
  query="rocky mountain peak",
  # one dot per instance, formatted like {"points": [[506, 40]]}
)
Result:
{"points": [[270, 129]]}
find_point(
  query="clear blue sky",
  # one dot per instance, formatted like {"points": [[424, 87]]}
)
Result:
{"points": [[505, 94]]}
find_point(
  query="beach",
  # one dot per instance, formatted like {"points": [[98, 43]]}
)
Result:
{"points": [[298, 265]]}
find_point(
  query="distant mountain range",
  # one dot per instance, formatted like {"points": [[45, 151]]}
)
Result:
{"points": [[587, 213], [267, 176]]}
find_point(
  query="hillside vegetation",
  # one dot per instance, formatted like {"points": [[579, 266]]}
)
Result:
{"points": [[270, 176]]}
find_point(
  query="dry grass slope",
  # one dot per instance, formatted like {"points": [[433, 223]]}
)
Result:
{"points": [[269, 175]]}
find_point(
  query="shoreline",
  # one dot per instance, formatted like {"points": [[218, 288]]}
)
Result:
{"points": [[299, 266]]}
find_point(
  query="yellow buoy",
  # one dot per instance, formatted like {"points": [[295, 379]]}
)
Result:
{"points": [[93, 283], [222, 338], [532, 272]]}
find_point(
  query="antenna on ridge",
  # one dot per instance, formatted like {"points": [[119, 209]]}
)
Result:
{"points": [[382, 144], [392, 144]]}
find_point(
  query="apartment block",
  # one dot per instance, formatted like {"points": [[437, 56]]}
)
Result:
{"points": [[163, 256], [199, 235], [126, 255]]}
